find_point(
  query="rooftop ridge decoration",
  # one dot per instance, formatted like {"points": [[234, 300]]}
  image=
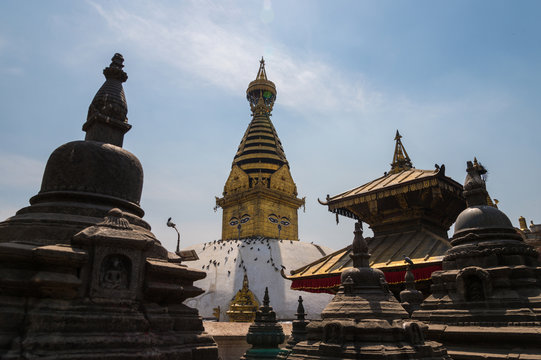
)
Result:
{"points": [[401, 160]]}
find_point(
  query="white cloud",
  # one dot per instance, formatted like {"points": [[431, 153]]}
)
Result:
{"points": [[218, 44]]}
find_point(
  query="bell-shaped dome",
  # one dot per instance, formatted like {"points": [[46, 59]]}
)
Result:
{"points": [[98, 166], [94, 167], [479, 214], [481, 217]]}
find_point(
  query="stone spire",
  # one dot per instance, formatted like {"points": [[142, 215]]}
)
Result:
{"points": [[410, 297], [265, 334], [489, 284], [106, 120], [475, 189], [364, 320], [401, 160], [359, 252], [298, 332]]}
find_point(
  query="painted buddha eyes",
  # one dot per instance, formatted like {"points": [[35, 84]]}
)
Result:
{"points": [[235, 221], [245, 218], [275, 220]]}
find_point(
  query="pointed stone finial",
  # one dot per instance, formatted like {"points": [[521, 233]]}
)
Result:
{"points": [[300, 310], [106, 120], [410, 297], [266, 301], [401, 160], [359, 251], [475, 190]]}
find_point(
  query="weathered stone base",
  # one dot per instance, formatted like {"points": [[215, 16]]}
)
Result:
{"points": [[489, 343], [54, 329], [377, 350]]}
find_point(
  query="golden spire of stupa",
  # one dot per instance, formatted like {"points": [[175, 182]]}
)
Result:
{"points": [[401, 160], [260, 188]]}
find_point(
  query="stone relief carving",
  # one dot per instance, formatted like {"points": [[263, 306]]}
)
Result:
{"points": [[474, 284], [115, 272], [332, 333]]}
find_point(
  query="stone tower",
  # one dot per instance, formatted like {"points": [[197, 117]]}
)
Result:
{"points": [[260, 196], [486, 301], [81, 274]]}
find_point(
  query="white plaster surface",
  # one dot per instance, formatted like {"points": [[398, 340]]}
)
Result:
{"points": [[226, 262]]}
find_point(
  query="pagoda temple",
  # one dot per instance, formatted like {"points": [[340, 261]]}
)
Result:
{"points": [[260, 234], [81, 274], [409, 211], [486, 301]]}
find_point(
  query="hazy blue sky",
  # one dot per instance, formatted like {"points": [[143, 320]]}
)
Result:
{"points": [[458, 79]]}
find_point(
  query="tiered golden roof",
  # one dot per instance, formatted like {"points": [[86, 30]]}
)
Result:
{"points": [[260, 196]]}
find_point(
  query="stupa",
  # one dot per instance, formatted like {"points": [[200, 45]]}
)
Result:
{"points": [[486, 301], [364, 320], [265, 334], [298, 331], [81, 274], [259, 222]]}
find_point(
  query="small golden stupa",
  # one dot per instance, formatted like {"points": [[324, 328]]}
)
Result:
{"points": [[244, 305]]}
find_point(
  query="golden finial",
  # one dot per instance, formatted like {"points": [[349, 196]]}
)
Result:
{"points": [[261, 74], [401, 160], [522, 223], [261, 88]]}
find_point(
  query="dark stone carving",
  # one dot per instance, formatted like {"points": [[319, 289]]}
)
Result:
{"points": [[365, 321], [410, 297], [332, 333], [81, 274], [265, 334], [115, 272], [486, 303], [474, 283]]}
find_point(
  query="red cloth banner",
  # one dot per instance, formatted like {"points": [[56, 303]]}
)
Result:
{"points": [[330, 283]]}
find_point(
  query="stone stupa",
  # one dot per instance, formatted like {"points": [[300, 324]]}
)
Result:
{"points": [[365, 321], [486, 302], [265, 334], [81, 274]]}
